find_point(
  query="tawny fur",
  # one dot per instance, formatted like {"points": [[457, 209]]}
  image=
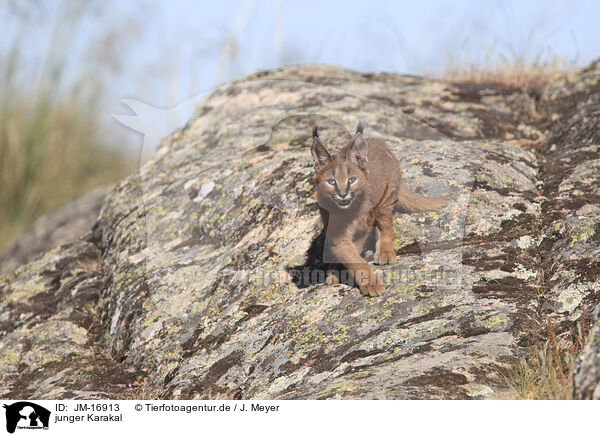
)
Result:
{"points": [[357, 190]]}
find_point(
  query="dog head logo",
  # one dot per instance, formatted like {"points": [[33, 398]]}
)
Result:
{"points": [[24, 414]]}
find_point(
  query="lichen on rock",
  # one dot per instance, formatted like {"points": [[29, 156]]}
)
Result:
{"points": [[203, 274]]}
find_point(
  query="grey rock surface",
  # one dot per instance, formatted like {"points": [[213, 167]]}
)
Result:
{"points": [[61, 226], [202, 275], [586, 380], [571, 242]]}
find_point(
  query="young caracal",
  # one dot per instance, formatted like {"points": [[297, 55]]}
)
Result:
{"points": [[356, 193]]}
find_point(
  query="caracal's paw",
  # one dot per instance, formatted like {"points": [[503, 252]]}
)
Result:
{"points": [[385, 256], [372, 290], [332, 278], [373, 287]]}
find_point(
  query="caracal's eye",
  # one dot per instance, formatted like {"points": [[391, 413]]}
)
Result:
{"points": [[352, 180], [332, 182]]}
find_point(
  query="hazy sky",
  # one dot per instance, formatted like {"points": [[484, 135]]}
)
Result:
{"points": [[187, 38], [171, 50]]}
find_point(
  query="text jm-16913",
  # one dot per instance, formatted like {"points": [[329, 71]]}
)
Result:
{"points": [[97, 407]]}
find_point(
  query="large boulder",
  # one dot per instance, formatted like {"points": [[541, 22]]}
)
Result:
{"points": [[61, 226], [203, 274], [570, 248]]}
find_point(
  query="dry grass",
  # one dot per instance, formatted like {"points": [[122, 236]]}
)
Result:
{"points": [[515, 72], [546, 372], [52, 146], [50, 152], [141, 389]]}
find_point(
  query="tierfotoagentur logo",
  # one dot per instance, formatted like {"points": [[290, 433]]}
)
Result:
{"points": [[26, 415]]}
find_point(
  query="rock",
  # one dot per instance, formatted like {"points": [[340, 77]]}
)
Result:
{"points": [[63, 225], [49, 329], [210, 283], [571, 238], [586, 380]]}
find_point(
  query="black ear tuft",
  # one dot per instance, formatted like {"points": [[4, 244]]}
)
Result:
{"points": [[321, 156], [360, 128], [315, 132], [358, 150]]}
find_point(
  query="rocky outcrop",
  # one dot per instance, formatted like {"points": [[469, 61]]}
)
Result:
{"points": [[202, 277], [571, 244], [61, 226], [586, 379], [50, 329]]}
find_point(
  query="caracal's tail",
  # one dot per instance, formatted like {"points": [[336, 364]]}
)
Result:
{"points": [[411, 202]]}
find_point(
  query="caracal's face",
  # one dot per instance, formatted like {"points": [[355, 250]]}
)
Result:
{"points": [[340, 186]]}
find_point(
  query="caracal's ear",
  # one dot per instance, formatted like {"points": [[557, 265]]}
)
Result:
{"points": [[358, 151], [360, 127], [320, 155]]}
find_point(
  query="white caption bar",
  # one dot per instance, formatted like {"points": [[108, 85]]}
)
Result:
{"points": [[24, 417]]}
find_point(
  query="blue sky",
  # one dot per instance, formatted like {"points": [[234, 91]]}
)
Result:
{"points": [[167, 51], [185, 39]]}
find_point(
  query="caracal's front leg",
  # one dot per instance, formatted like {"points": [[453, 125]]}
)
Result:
{"points": [[368, 282], [384, 247]]}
